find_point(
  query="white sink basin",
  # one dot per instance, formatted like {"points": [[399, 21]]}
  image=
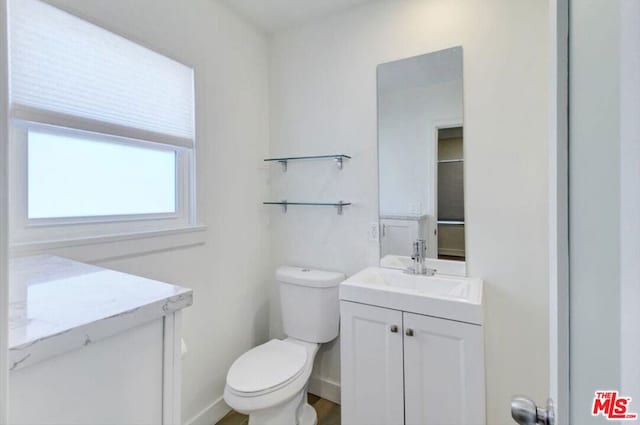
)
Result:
{"points": [[449, 297]]}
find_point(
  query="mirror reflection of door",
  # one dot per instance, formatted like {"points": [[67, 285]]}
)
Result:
{"points": [[450, 194]]}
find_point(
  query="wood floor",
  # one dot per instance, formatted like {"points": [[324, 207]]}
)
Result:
{"points": [[328, 413]]}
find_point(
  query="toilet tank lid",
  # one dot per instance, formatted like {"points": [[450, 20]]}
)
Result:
{"points": [[308, 277]]}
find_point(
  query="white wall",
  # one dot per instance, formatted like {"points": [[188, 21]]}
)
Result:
{"points": [[230, 313], [323, 100]]}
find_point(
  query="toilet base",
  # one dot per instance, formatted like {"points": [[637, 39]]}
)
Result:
{"points": [[294, 412], [308, 416]]}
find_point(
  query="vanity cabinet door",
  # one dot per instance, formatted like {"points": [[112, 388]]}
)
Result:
{"points": [[444, 374], [371, 365]]}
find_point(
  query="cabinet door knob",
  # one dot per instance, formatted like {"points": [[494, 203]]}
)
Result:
{"points": [[394, 329], [409, 332]]}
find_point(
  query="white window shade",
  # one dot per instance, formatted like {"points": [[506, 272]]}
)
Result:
{"points": [[67, 72]]}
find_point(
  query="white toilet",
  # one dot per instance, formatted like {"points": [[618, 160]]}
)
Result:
{"points": [[269, 382]]}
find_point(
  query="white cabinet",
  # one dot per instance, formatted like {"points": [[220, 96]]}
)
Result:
{"points": [[371, 358], [444, 371], [132, 377], [427, 371], [92, 346], [398, 234]]}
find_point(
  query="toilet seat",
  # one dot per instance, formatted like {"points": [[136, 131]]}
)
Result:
{"points": [[266, 368]]}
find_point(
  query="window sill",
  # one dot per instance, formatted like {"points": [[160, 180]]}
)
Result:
{"points": [[108, 247]]}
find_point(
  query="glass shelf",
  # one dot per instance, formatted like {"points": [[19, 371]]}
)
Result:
{"points": [[451, 222], [339, 158], [284, 204]]}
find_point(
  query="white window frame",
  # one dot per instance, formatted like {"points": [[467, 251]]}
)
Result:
{"points": [[171, 128], [46, 230]]}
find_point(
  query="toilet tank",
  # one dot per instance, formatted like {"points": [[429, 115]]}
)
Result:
{"points": [[309, 303]]}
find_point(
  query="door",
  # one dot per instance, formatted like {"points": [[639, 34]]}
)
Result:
{"points": [[556, 409], [4, 284], [450, 234], [443, 374], [371, 360]]}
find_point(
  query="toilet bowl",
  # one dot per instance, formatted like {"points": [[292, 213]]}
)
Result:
{"points": [[269, 382]]}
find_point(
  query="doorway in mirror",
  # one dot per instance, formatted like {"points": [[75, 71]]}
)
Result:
{"points": [[451, 194]]}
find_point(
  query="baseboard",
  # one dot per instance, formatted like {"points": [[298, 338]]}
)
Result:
{"points": [[211, 414], [324, 388]]}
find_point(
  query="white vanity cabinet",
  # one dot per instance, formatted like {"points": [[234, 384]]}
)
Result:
{"points": [[443, 371], [399, 232], [92, 346], [406, 368], [371, 365]]}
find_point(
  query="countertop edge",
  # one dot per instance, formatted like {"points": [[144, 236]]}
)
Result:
{"points": [[32, 352]]}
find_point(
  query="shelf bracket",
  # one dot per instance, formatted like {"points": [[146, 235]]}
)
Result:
{"points": [[284, 202], [340, 163], [284, 166], [340, 208]]}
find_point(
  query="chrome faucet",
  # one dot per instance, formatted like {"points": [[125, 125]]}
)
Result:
{"points": [[418, 257]]}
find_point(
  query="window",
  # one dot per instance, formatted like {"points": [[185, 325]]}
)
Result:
{"points": [[103, 130], [82, 176]]}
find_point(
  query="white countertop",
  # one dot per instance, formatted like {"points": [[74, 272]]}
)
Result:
{"points": [[57, 305]]}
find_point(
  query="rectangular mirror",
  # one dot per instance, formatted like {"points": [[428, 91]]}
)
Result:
{"points": [[421, 157]]}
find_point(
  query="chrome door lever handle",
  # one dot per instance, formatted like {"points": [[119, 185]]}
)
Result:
{"points": [[525, 412]]}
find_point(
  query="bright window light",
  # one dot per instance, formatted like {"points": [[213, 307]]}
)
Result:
{"points": [[71, 175]]}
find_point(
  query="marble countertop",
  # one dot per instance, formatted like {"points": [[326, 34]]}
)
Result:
{"points": [[57, 305]]}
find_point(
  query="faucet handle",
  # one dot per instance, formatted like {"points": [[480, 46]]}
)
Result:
{"points": [[419, 249]]}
